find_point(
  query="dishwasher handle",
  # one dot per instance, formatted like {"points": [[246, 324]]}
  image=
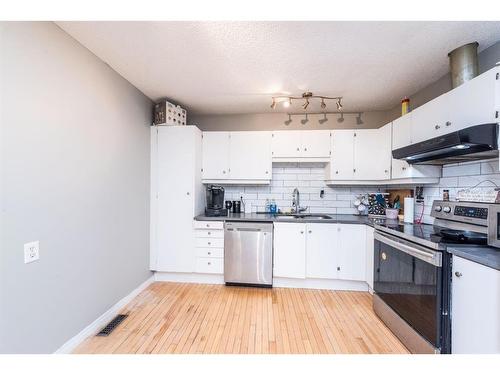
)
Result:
{"points": [[246, 226]]}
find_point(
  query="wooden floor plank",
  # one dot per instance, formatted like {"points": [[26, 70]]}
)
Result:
{"points": [[195, 318]]}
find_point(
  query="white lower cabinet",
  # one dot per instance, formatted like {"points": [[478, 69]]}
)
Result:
{"points": [[370, 248], [475, 308], [289, 250], [320, 251], [209, 240]]}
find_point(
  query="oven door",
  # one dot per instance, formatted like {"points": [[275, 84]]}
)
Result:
{"points": [[494, 225], [408, 279]]}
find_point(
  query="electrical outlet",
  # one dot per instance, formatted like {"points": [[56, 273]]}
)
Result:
{"points": [[31, 251]]}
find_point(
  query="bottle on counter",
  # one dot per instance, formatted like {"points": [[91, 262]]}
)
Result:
{"points": [[446, 195], [273, 208]]}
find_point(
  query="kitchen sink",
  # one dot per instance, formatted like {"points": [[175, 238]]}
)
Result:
{"points": [[303, 216]]}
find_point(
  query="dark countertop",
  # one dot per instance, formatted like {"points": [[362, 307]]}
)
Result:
{"points": [[485, 255], [344, 219]]}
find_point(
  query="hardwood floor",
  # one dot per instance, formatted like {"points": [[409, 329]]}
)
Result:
{"points": [[196, 318]]}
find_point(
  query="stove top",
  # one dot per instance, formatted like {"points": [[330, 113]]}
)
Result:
{"points": [[432, 235]]}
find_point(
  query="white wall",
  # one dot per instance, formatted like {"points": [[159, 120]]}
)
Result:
{"points": [[309, 178], [74, 173]]}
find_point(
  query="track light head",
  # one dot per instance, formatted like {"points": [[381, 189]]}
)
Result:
{"points": [[304, 121], [341, 118], [339, 104], [324, 119]]}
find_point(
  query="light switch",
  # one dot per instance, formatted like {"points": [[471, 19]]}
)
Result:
{"points": [[31, 251]]}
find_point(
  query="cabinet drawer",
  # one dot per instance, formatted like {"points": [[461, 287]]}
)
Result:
{"points": [[209, 233], [207, 252], [210, 265], [210, 242], [208, 224]]}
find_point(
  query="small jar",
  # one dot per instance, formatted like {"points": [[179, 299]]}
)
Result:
{"points": [[446, 195]]}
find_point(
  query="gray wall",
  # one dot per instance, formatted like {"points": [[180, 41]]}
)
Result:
{"points": [[74, 172]]}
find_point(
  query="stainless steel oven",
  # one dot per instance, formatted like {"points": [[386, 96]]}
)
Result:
{"points": [[411, 283]]}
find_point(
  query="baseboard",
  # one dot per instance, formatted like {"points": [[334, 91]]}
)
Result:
{"points": [[358, 286], [197, 278], [97, 324]]}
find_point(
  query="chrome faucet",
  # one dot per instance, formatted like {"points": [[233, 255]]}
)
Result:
{"points": [[296, 202]]}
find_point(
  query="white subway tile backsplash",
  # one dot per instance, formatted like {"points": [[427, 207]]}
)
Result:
{"points": [[489, 167], [462, 170]]}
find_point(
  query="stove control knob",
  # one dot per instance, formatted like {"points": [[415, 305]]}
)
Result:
{"points": [[447, 209], [438, 208]]}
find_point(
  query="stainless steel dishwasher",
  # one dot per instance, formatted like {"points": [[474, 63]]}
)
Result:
{"points": [[248, 253]]}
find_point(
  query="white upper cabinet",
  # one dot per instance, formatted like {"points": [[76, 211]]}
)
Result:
{"points": [[215, 146], [301, 145], [342, 158], [473, 102], [475, 304], [322, 251], [401, 131], [250, 155], [237, 157], [372, 154], [315, 143], [286, 144], [430, 120]]}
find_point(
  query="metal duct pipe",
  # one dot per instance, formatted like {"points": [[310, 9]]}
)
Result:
{"points": [[463, 64]]}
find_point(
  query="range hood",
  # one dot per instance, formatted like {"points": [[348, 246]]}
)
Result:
{"points": [[474, 143]]}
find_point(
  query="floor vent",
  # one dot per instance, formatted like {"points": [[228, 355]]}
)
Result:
{"points": [[112, 325]]}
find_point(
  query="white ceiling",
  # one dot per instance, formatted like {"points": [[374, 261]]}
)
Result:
{"points": [[235, 67]]}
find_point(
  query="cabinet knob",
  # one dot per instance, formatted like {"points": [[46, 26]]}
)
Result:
{"points": [[448, 123], [298, 149], [209, 253], [209, 233], [224, 172], [209, 263], [310, 231], [338, 268], [209, 243], [437, 127], [458, 274], [305, 148], [267, 172], [403, 168], [386, 171], [354, 170], [336, 172], [208, 225], [187, 193], [301, 232]]}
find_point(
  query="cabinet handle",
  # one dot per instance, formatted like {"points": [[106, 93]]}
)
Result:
{"points": [[209, 263], [310, 231], [209, 233], [458, 274], [338, 268], [209, 253], [267, 172], [208, 225], [224, 172], [298, 149], [386, 171], [187, 193], [209, 243], [301, 232], [336, 172], [403, 168], [437, 127], [448, 123], [354, 170]]}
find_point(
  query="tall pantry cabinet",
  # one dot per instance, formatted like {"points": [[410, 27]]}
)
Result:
{"points": [[176, 196]]}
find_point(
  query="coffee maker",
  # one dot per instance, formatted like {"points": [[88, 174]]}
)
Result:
{"points": [[215, 201]]}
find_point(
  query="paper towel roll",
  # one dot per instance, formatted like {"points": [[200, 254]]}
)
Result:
{"points": [[409, 210]]}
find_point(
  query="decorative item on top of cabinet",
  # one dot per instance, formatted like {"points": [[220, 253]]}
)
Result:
{"points": [[166, 113]]}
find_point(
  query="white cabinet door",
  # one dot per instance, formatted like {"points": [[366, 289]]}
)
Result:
{"points": [[315, 143], [322, 251], [372, 154], [401, 131], [286, 144], [215, 147], [429, 120], [401, 169], [369, 256], [342, 158], [175, 180], [289, 250], [473, 102], [352, 252], [475, 313], [250, 155]]}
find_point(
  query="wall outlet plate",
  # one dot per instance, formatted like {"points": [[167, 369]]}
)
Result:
{"points": [[31, 251]]}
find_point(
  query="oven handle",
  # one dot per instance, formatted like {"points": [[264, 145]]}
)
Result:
{"points": [[429, 256]]}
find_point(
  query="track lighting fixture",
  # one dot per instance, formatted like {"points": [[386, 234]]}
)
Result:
{"points": [[304, 121], [324, 119], [339, 104], [341, 118], [306, 96], [289, 121], [358, 119]]}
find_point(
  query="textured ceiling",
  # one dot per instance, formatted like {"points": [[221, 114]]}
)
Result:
{"points": [[235, 67]]}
